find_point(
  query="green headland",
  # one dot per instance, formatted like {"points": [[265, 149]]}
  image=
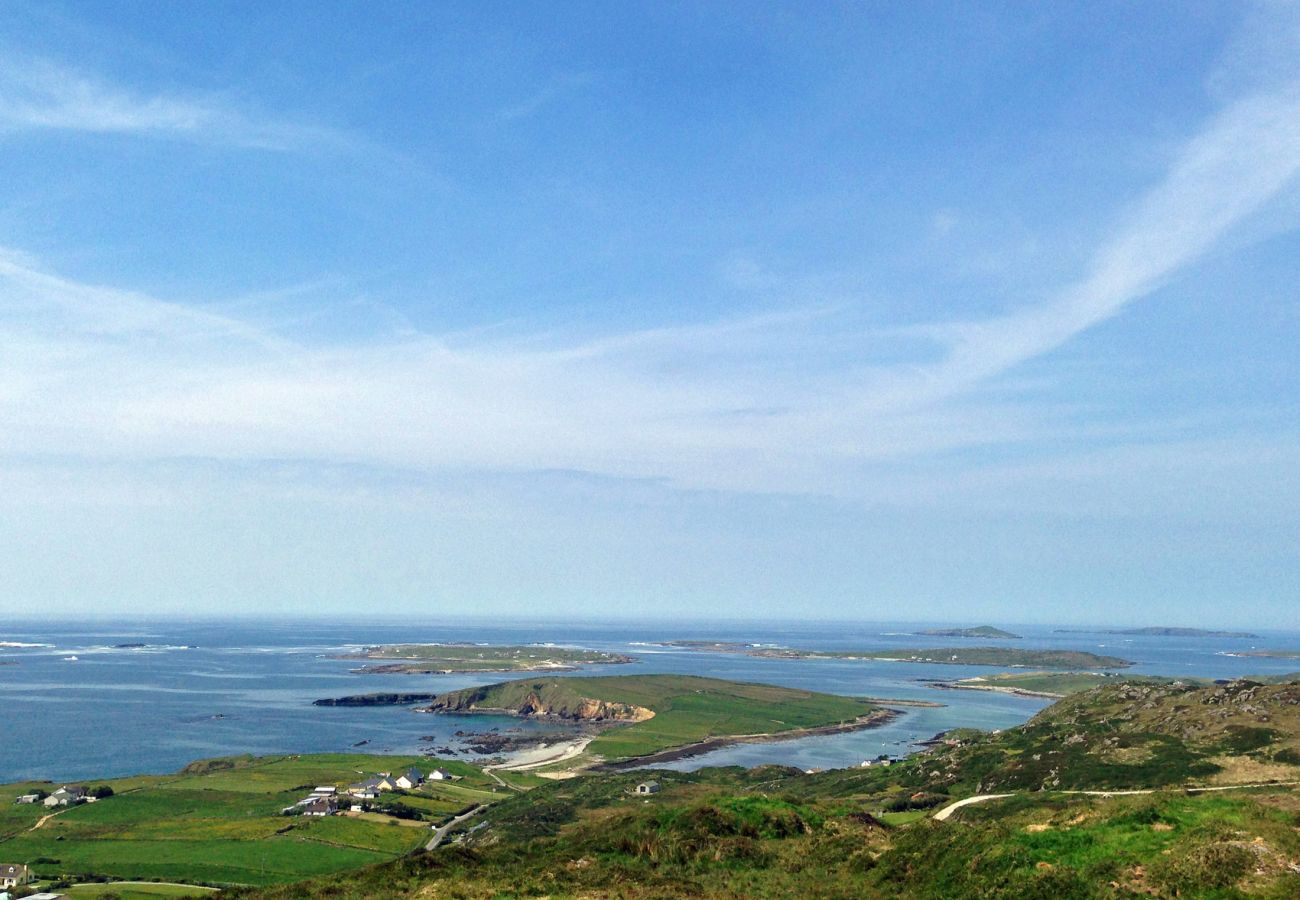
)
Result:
{"points": [[642, 715]]}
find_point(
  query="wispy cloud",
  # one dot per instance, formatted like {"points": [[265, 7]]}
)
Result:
{"points": [[555, 89], [757, 404], [38, 94], [1246, 156]]}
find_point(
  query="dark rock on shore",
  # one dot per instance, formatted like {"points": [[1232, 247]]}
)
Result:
{"points": [[376, 700]]}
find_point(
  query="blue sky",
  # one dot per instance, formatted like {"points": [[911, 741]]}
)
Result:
{"points": [[930, 311]]}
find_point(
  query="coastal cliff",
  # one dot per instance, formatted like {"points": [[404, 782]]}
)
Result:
{"points": [[556, 700]]}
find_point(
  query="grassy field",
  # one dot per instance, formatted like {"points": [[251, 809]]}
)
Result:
{"points": [[1046, 684], [219, 822], [136, 891], [686, 709]]}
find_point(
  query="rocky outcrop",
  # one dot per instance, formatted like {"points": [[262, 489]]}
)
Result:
{"points": [[376, 700], [540, 704]]}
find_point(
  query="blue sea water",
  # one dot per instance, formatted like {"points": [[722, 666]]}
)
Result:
{"points": [[202, 689]]}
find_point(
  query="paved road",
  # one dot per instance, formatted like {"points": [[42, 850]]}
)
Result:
{"points": [[441, 833]]}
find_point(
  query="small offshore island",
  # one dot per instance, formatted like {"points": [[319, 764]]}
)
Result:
{"points": [[446, 659], [981, 631]]}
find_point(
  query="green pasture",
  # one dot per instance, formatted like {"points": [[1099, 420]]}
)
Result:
{"points": [[220, 822]]}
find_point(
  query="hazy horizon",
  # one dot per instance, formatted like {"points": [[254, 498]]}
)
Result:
{"points": [[982, 312]]}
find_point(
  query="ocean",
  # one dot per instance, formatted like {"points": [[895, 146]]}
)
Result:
{"points": [[78, 705]]}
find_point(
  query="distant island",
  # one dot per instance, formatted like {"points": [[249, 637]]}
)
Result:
{"points": [[1267, 654], [1159, 632], [1055, 685], [967, 656], [1005, 657], [443, 659], [982, 631]]}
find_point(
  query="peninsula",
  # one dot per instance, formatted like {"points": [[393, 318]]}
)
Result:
{"points": [[442, 659], [640, 716]]}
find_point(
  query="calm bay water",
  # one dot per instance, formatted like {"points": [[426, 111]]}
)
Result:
{"points": [[201, 689]]}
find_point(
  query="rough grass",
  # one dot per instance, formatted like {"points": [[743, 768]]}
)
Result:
{"points": [[690, 842], [134, 891]]}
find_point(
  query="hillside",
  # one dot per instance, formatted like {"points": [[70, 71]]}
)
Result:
{"points": [[870, 833]]}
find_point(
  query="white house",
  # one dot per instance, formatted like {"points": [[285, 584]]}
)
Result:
{"points": [[440, 775], [365, 790], [409, 780], [13, 875], [321, 806], [68, 795]]}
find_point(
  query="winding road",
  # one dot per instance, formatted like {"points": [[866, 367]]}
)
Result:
{"points": [[943, 814], [440, 833]]}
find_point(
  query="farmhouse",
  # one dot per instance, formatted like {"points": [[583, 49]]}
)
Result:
{"points": [[410, 779], [648, 787], [68, 795], [440, 775], [12, 875], [365, 790], [321, 806]]}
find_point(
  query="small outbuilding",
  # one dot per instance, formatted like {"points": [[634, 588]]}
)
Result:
{"points": [[648, 787]]}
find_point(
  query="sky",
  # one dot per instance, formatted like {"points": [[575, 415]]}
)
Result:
{"points": [[927, 311]]}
